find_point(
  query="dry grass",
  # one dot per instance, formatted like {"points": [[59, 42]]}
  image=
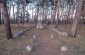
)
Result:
{"points": [[17, 46], [14, 46], [76, 45]]}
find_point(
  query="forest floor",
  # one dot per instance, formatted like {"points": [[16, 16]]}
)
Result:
{"points": [[43, 44]]}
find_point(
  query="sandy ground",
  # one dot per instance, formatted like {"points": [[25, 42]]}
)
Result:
{"points": [[43, 44]]}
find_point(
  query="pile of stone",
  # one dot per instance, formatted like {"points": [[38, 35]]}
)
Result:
{"points": [[52, 26], [59, 32], [34, 37], [39, 26], [29, 48], [17, 34], [52, 36], [64, 48]]}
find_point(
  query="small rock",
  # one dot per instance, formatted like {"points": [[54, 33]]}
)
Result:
{"points": [[52, 36], [17, 34], [64, 33], [21, 31], [34, 36], [23, 36], [29, 48], [64, 48], [39, 26]]}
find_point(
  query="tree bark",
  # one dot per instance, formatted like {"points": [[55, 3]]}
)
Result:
{"points": [[58, 14], [68, 17], [18, 8], [6, 20], [76, 19], [54, 15], [13, 14], [46, 15], [32, 14], [24, 7], [0, 16]]}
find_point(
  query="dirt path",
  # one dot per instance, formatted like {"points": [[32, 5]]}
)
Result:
{"points": [[44, 44]]}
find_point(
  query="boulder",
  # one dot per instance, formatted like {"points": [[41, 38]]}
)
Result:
{"points": [[16, 34], [64, 48], [52, 36], [23, 36], [29, 48], [34, 37], [39, 26]]}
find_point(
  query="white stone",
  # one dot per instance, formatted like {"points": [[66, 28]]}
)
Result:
{"points": [[52, 36], [21, 31], [64, 48], [23, 36], [60, 33], [29, 48], [34, 36], [17, 34], [64, 33], [39, 26]]}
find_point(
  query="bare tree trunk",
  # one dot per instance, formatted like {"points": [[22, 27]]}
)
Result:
{"points": [[43, 16], [76, 19], [9, 9], [13, 14], [18, 4], [58, 14], [0, 16], [6, 20], [32, 14], [46, 16], [36, 20], [54, 15], [27, 16], [68, 17], [24, 7]]}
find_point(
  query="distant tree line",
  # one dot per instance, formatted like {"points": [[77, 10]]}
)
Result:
{"points": [[46, 11]]}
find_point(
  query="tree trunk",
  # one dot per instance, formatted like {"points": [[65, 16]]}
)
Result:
{"points": [[0, 16], [32, 14], [43, 16], [9, 9], [24, 7], [46, 16], [36, 20], [58, 14], [13, 14], [76, 19], [6, 20], [54, 15], [18, 8], [68, 17]]}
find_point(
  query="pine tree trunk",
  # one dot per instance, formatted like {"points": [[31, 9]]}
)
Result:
{"points": [[46, 15], [6, 20], [58, 14], [0, 16], [76, 19], [68, 17], [37, 18], [18, 7], [54, 15], [13, 14], [32, 14], [24, 7], [51, 16]]}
